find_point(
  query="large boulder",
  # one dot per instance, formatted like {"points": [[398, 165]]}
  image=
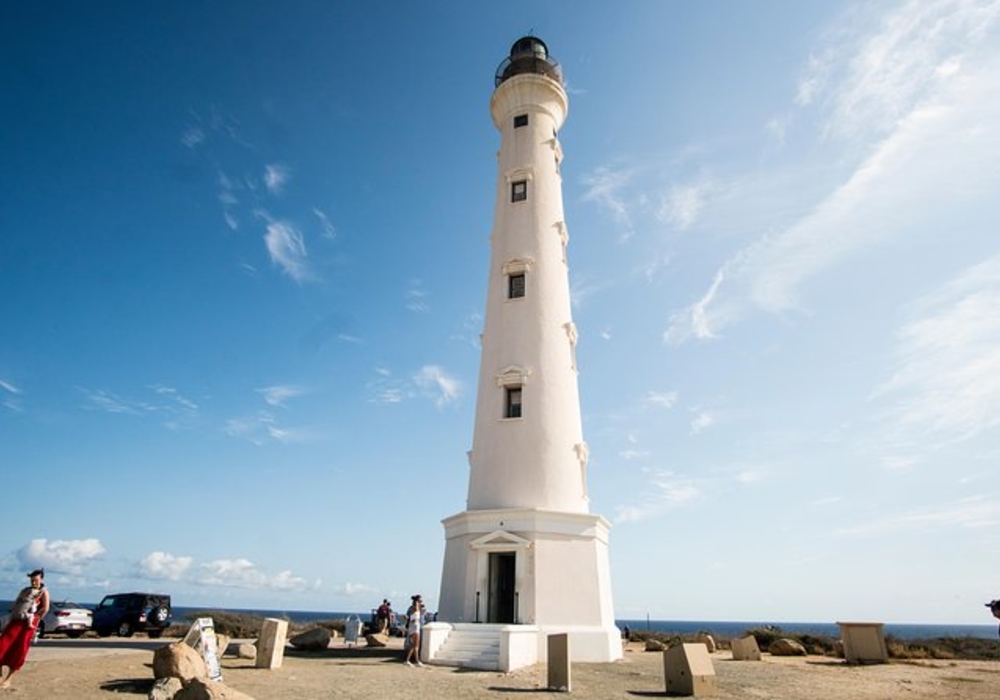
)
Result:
{"points": [[246, 651], [315, 639], [655, 645], [178, 660], [209, 690], [786, 647], [708, 640], [165, 688]]}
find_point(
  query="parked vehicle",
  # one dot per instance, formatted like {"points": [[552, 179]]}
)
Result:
{"points": [[66, 618], [127, 613]]}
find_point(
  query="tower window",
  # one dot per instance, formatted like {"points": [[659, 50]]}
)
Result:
{"points": [[515, 286], [519, 191], [512, 405], [520, 120]]}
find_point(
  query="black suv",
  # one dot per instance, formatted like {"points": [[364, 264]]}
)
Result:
{"points": [[127, 613]]}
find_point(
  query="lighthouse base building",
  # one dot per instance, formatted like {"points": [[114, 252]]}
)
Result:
{"points": [[526, 559]]}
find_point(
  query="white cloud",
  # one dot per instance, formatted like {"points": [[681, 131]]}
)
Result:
{"points": [[973, 512], [943, 129], [666, 491], [278, 395], [161, 565], [681, 206], [275, 177], [946, 385], [10, 396], [703, 420], [242, 573], [415, 298], [435, 382], [605, 187], [193, 136], [664, 399], [328, 229], [356, 590], [287, 249], [63, 556]]}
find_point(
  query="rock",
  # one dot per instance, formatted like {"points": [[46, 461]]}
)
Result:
{"points": [[655, 645], [786, 647], [246, 651], [316, 639], [377, 640], [165, 688], [209, 690], [709, 642], [221, 644], [178, 660]]}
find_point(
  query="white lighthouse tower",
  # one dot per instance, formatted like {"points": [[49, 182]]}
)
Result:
{"points": [[526, 554]]}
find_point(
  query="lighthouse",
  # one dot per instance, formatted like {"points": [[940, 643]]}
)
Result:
{"points": [[526, 557]]}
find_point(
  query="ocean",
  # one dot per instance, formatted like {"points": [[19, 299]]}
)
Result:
{"points": [[718, 628]]}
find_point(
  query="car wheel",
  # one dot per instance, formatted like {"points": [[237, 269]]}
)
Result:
{"points": [[102, 631], [125, 629], [74, 634]]}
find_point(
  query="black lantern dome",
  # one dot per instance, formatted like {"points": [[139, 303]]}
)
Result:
{"points": [[529, 54]]}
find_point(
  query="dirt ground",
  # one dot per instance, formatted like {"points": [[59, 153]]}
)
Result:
{"points": [[102, 668]]}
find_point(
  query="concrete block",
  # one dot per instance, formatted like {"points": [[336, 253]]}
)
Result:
{"points": [[746, 649], [688, 670], [558, 663], [864, 642], [271, 645]]}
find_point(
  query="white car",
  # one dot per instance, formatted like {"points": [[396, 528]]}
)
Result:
{"points": [[66, 618]]}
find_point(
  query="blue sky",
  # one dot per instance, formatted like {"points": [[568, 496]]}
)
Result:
{"points": [[243, 254]]}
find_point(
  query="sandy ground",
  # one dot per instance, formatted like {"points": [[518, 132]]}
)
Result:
{"points": [[98, 668]]}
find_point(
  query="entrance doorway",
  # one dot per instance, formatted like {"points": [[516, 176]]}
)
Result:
{"points": [[502, 605]]}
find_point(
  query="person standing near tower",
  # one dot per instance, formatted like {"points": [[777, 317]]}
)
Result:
{"points": [[414, 623], [31, 606]]}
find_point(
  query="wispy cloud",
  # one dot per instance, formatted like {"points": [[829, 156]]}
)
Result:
{"points": [[437, 384], [192, 136], [275, 177], [922, 98], [663, 399], [328, 229], [416, 297], [682, 204], [287, 248], [702, 421], [973, 512], [666, 491], [10, 396], [606, 187], [278, 394], [166, 403], [946, 385], [262, 427], [64, 556]]}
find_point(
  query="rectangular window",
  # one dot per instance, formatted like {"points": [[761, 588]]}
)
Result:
{"points": [[520, 120], [515, 286], [519, 191], [513, 407]]}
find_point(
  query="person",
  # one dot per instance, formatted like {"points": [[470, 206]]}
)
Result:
{"points": [[994, 606], [382, 616], [30, 607], [414, 622]]}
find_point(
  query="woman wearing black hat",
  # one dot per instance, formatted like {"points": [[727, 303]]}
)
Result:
{"points": [[31, 605]]}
